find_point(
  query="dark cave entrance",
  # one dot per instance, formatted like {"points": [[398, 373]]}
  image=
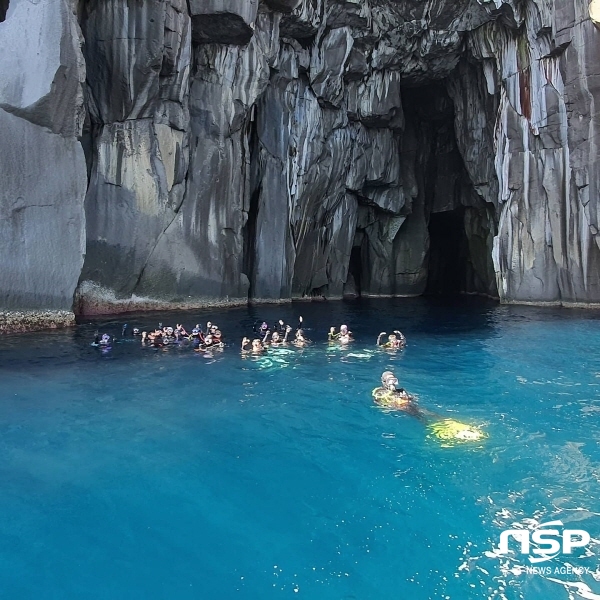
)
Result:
{"points": [[457, 220], [353, 284], [448, 253], [3, 9]]}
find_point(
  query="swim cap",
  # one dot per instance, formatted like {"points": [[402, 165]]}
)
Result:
{"points": [[135, 331], [106, 337]]}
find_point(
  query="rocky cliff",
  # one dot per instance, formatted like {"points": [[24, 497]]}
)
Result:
{"points": [[173, 153]]}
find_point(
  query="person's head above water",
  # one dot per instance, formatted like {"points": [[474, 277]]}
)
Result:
{"points": [[275, 337], [344, 329], [389, 380]]}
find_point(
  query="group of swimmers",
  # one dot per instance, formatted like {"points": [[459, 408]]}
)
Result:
{"points": [[201, 340], [265, 337], [388, 395]]}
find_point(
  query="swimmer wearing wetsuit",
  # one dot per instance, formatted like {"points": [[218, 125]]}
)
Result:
{"points": [[396, 341], [343, 337], [252, 347], [391, 397]]}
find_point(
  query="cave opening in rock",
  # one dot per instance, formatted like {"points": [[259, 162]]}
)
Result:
{"points": [[448, 253], [353, 283], [456, 220], [249, 236], [3, 9]]}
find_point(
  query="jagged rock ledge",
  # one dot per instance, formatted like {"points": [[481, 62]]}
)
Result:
{"points": [[92, 299], [35, 320], [553, 304]]}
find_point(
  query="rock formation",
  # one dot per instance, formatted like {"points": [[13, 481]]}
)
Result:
{"points": [[42, 166], [276, 149]]}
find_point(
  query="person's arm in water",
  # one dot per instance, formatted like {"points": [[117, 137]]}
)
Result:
{"points": [[287, 333], [264, 340], [379, 338], [400, 336]]}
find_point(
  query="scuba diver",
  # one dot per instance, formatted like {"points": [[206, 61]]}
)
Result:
{"points": [[343, 337], [396, 341], [389, 396]]}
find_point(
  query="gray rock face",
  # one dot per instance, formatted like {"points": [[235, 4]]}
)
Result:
{"points": [[274, 149], [138, 96], [42, 166], [223, 21]]}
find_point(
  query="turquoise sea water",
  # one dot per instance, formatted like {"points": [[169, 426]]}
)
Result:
{"points": [[155, 474]]}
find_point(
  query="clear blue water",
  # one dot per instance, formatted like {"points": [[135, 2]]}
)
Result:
{"points": [[161, 474]]}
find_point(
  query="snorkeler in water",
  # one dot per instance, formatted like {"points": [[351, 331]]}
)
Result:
{"points": [[102, 341], [276, 339], [260, 328], [343, 337], [300, 341], [396, 341], [447, 430], [254, 347], [389, 396]]}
